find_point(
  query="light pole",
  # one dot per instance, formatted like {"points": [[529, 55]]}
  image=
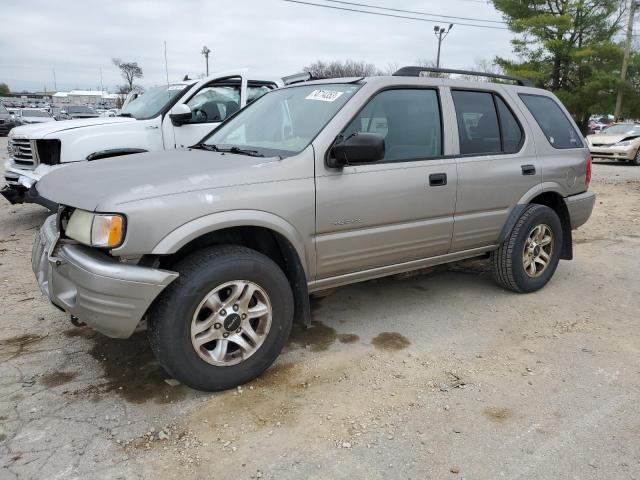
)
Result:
{"points": [[625, 59], [441, 33], [206, 52]]}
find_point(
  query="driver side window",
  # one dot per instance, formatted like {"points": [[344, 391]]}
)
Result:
{"points": [[214, 103], [409, 121]]}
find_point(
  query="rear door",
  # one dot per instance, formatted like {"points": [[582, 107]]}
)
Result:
{"points": [[497, 166], [395, 210]]}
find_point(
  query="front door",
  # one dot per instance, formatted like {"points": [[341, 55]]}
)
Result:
{"points": [[395, 210], [212, 104]]}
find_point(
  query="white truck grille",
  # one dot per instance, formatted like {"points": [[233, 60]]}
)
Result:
{"points": [[22, 153]]}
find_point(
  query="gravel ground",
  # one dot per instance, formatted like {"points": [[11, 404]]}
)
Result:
{"points": [[438, 375]]}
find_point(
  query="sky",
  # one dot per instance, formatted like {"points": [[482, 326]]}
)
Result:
{"points": [[271, 37]]}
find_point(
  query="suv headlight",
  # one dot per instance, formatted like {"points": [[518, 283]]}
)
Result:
{"points": [[96, 229]]}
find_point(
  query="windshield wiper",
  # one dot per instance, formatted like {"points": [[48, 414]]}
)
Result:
{"points": [[204, 146], [237, 150], [244, 151]]}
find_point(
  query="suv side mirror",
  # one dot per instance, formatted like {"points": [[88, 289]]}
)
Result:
{"points": [[357, 148], [180, 114]]}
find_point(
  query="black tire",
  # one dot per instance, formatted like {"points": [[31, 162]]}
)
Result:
{"points": [[636, 159], [507, 262], [170, 317]]}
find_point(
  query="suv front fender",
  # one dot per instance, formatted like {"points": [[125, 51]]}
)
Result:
{"points": [[184, 234]]}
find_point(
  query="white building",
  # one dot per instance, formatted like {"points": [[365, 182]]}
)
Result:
{"points": [[85, 97]]}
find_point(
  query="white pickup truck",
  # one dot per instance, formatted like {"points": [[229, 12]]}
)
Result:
{"points": [[167, 117]]}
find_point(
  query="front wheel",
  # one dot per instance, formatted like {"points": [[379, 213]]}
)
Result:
{"points": [[527, 259], [636, 159], [224, 320]]}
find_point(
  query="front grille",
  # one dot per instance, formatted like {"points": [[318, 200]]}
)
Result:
{"points": [[21, 150]]}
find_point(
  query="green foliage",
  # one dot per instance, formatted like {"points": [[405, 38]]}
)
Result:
{"points": [[567, 46], [4, 89]]}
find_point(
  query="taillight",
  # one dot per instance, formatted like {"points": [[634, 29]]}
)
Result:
{"points": [[587, 175]]}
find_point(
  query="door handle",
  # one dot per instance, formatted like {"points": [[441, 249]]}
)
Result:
{"points": [[437, 179], [152, 127], [528, 169]]}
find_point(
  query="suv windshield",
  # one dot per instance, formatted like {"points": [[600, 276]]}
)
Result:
{"points": [[153, 101], [282, 122], [623, 129]]}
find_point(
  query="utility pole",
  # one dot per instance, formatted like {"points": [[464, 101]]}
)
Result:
{"points": [[206, 52], [55, 84], [441, 33], [625, 58]]}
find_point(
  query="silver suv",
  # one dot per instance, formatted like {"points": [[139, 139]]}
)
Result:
{"points": [[311, 187]]}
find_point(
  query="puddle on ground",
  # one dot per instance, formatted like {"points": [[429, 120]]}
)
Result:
{"points": [[56, 379], [15, 346], [82, 332], [390, 341], [348, 338], [497, 414], [131, 371], [21, 340], [318, 337]]}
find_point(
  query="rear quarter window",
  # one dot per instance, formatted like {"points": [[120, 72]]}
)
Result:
{"points": [[555, 125]]}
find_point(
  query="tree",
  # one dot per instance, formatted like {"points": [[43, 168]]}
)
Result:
{"points": [[4, 89], [567, 46], [129, 71], [337, 69]]}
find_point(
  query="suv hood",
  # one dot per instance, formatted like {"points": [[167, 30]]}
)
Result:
{"points": [[41, 130], [109, 184]]}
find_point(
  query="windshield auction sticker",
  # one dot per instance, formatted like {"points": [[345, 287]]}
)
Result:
{"points": [[324, 95]]}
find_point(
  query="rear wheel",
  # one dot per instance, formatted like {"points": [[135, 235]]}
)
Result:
{"points": [[224, 320], [528, 258]]}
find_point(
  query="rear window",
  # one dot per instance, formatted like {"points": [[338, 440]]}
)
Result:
{"points": [[553, 121]]}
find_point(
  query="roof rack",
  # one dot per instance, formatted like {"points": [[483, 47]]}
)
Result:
{"points": [[416, 71]]}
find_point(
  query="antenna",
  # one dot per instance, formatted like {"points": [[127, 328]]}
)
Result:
{"points": [[166, 66]]}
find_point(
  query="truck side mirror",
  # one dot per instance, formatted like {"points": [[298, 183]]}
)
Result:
{"points": [[180, 114], [359, 147]]}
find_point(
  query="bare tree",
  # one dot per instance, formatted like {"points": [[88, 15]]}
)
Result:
{"points": [[129, 71], [346, 68]]}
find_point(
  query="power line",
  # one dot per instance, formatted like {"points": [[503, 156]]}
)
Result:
{"points": [[380, 14], [414, 11]]}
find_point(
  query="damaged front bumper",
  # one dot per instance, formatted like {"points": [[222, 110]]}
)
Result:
{"points": [[110, 296]]}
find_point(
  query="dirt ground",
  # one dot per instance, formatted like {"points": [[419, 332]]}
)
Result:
{"points": [[440, 375]]}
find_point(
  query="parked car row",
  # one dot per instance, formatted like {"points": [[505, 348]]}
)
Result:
{"points": [[231, 199]]}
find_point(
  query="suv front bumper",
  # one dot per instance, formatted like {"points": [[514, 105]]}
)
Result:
{"points": [[110, 296]]}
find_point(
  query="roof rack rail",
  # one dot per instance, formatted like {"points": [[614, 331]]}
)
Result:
{"points": [[416, 71]]}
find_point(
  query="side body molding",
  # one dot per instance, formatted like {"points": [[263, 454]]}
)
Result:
{"points": [[235, 218]]}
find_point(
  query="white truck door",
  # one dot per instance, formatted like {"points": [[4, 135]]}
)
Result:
{"points": [[210, 101]]}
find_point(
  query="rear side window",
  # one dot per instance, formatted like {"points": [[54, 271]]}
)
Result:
{"points": [[409, 121], [553, 122], [511, 131], [478, 127]]}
